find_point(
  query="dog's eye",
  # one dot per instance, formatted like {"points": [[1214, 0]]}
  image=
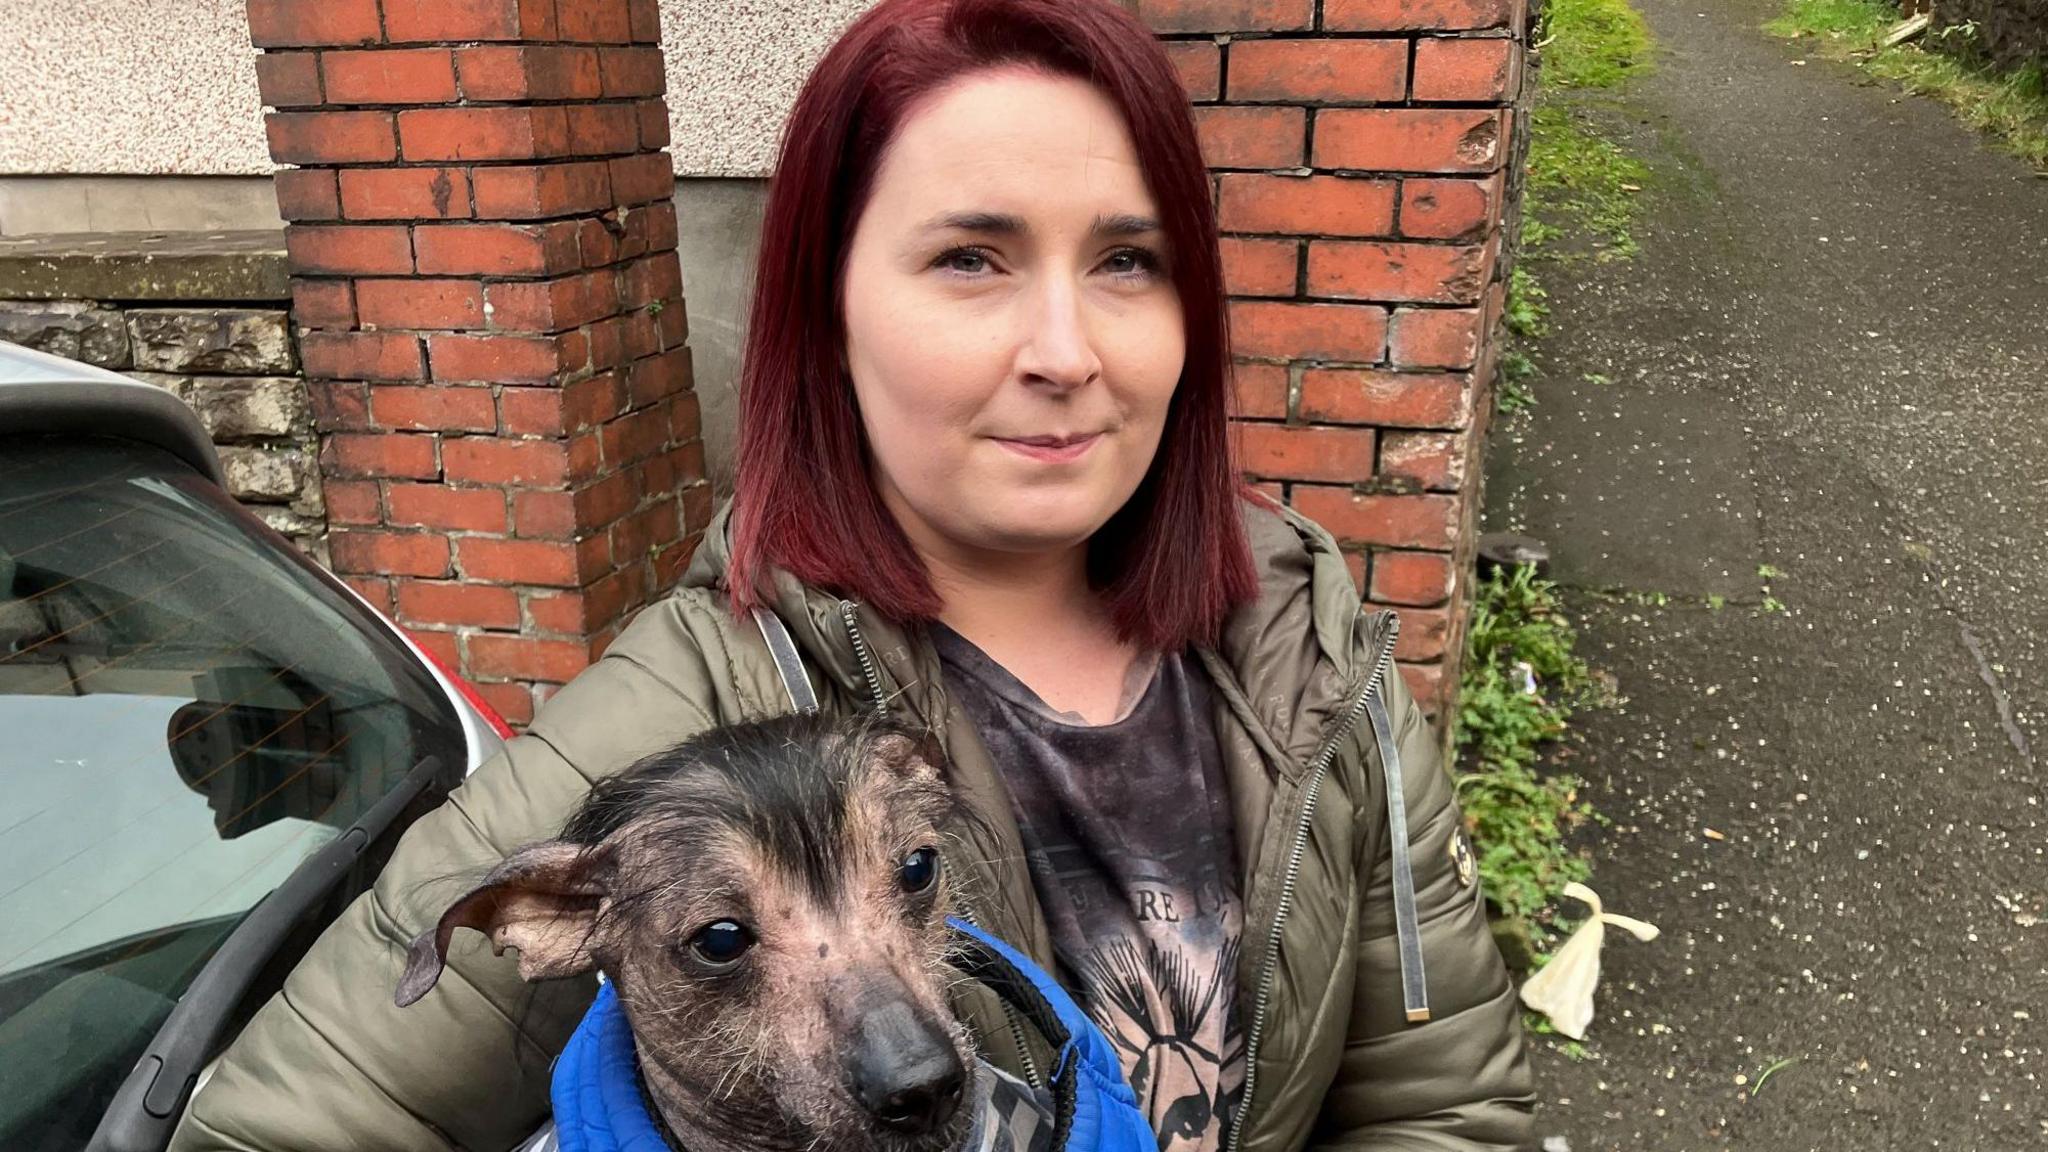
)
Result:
{"points": [[721, 943], [919, 870]]}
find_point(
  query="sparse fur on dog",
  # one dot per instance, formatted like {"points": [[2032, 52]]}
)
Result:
{"points": [[814, 851]]}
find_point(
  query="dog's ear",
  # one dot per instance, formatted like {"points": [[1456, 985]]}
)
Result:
{"points": [[919, 756], [542, 900]]}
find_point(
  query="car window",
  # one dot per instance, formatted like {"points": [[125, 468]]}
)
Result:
{"points": [[186, 712]]}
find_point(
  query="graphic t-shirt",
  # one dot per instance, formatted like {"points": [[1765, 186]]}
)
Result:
{"points": [[1128, 834]]}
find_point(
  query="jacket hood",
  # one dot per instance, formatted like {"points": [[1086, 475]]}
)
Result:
{"points": [[1299, 628]]}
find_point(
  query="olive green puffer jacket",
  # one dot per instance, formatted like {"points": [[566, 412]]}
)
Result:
{"points": [[1335, 1060]]}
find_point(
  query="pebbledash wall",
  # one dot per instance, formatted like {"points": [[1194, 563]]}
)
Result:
{"points": [[522, 418]]}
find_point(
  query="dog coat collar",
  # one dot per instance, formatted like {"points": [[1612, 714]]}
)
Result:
{"points": [[1093, 1109], [601, 1105], [598, 1100]]}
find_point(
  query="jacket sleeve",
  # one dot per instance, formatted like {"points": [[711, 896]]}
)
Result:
{"points": [[1461, 1080], [330, 1064]]}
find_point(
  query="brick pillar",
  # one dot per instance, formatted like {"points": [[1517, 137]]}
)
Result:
{"points": [[1359, 148], [490, 311]]}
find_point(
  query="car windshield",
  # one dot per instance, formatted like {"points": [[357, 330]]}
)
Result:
{"points": [[186, 712]]}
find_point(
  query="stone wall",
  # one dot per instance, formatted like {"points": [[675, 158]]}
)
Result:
{"points": [[199, 316]]}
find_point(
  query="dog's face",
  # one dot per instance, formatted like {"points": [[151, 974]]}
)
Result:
{"points": [[770, 903]]}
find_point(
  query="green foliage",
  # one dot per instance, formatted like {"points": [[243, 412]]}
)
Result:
{"points": [[1528, 310], [1527, 316], [1592, 43], [1521, 682], [1515, 370], [1581, 182], [1864, 20], [2012, 105]]}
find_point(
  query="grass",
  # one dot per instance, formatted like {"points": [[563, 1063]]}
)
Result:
{"points": [[1592, 43], [1771, 1070], [1580, 184], [2010, 106], [1519, 686]]}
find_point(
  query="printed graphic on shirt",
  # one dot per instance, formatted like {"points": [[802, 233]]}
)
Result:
{"points": [[1128, 837], [1164, 1013]]}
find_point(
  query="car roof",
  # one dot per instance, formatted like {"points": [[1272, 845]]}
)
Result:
{"points": [[41, 394]]}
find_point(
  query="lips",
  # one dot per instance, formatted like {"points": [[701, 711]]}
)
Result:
{"points": [[1051, 448], [1053, 441]]}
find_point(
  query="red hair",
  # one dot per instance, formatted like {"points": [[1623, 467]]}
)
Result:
{"points": [[1173, 561]]}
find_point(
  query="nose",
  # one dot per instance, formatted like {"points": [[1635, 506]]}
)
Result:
{"points": [[1058, 352], [905, 1071]]}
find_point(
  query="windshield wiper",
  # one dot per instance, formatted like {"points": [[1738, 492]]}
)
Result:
{"points": [[145, 1111]]}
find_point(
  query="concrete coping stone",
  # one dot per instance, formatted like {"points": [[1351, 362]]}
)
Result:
{"points": [[182, 266]]}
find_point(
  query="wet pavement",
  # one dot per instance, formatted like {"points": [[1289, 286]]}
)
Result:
{"points": [[1829, 361]]}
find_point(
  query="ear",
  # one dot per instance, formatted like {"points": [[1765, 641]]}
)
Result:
{"points": [[917, 756], [542, 900]]}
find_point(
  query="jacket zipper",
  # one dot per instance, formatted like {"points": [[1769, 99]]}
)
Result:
{"points": [[1031, 1076], [1318, 768], [865, 656]]}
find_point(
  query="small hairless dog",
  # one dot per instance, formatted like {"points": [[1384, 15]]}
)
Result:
{"points": [[769, 907]]}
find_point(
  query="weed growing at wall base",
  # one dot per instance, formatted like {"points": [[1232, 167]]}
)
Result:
{"points": [[2012, 106], [1519, 686], [1520, 681]]}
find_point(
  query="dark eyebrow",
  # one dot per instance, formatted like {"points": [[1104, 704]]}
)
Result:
{"points": [[999, 223], [1125, 224], [1004, 224]]}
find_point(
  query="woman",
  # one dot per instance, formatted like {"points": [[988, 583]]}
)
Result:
{"points": [[985, 486]]}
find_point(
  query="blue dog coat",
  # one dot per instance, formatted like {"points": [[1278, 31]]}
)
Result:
{"points": [[600, 1107]]}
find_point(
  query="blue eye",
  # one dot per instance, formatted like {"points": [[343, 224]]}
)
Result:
{"points": [[969, 261], [721, 943], [919, 871]]}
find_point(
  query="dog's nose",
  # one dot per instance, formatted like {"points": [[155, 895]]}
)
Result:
{"points": [[905, 1071]]}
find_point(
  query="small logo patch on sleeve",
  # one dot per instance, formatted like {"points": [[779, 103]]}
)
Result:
{"points": [[1462, 859]]}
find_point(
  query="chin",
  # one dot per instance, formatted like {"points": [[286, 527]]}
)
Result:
{"points": [[1027, 525]]}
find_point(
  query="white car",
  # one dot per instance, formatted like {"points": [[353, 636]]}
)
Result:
{"points": [[208, 747]]}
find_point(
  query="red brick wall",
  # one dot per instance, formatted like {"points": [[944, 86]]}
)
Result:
{"points": [[491, 316], [491, 309], [1360, 149]]}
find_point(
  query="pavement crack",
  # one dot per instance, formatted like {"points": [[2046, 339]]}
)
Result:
{"points": [[1989, 675]]}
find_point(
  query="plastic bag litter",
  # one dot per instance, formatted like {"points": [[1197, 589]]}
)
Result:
{"points": [[1563, 990]]}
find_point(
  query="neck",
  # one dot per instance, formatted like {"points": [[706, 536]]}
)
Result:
{"points": [[696, 1120], [994, 593]]}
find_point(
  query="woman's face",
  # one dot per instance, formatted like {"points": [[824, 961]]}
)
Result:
{"points": [[1012, 327]]}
